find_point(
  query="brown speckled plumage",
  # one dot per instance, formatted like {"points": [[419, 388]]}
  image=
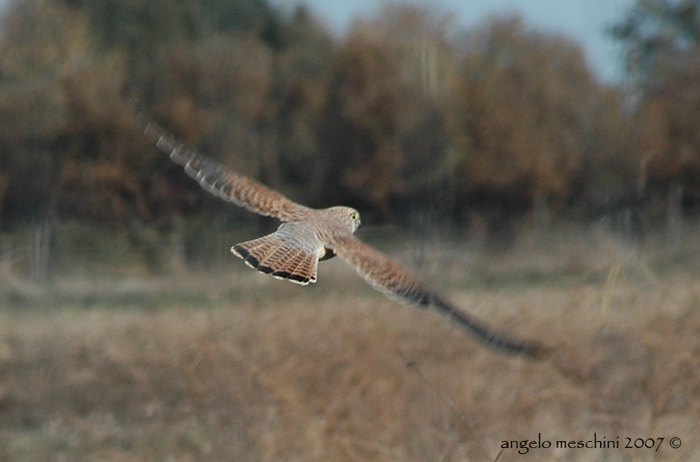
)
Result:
{"points": [[308, 235]]}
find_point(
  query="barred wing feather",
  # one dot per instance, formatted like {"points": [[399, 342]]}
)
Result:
{"points": [[394, 281], [228, 185]]}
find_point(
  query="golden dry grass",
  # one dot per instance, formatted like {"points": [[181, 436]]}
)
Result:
{"points": [[251, 368], [346, 376]]}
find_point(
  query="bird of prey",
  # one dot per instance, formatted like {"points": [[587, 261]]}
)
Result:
{"points": [[309, 235]]}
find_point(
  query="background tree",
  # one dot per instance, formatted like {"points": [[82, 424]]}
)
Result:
{"points": [[302, 74], [662, 49], [403, 118], [527, 118], [44, 45], [384, 128]]}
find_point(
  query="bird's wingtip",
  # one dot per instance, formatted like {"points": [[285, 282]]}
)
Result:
{"points": [[538, 351]]}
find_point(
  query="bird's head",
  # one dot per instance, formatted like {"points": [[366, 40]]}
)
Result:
{"points": [[347, 215]]}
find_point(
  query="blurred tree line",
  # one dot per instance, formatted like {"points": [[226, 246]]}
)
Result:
{"points": [[406, 118]]}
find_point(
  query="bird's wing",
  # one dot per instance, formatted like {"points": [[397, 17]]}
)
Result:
{"points": [[228, 185], [394, 281]]}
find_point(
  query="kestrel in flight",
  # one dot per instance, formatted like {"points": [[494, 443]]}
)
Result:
{"points": [[309, 235]]}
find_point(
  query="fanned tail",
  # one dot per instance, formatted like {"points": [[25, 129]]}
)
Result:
{"points": [[272, 255]]}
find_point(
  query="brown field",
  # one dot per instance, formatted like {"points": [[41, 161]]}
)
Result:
{"points": [[262, 370]]}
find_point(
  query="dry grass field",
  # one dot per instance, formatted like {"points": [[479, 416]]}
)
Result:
{"points": [[262, 370]]}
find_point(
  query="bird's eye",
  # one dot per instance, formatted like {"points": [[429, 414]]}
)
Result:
{"points": [[354, 216]]}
